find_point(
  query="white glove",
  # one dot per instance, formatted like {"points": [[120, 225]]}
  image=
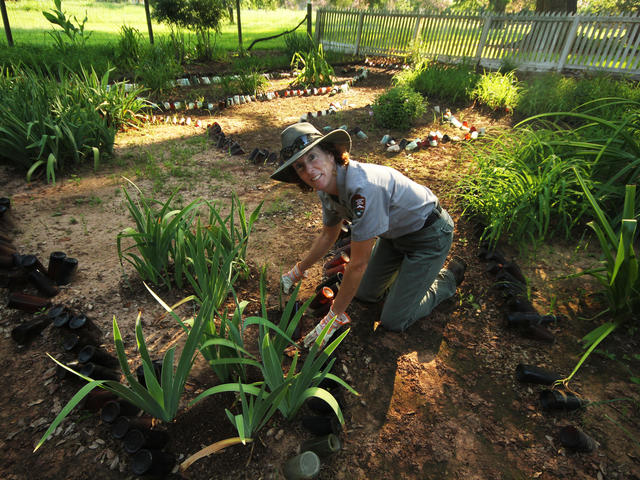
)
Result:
{"points": [[289, 279], [342, 319]]}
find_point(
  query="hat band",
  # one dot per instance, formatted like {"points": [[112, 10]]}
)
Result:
{"points": [[298, 144]]}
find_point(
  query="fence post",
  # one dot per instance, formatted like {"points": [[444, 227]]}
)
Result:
{"points": [[356, 51], [146, 12], [483, 38], [416, 30], [240, 49], [309, 15], [568, 43], [319, 24], [5, 21]]}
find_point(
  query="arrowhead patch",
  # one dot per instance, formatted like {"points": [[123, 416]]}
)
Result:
{"points": [[358, 204]]}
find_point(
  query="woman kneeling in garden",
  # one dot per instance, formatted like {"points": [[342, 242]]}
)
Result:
{"points": [[414, 232]]}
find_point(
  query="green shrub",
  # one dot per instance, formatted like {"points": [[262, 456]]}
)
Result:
{"points": [[129, 49], [453, 83], [157, 67], [546, 93], [497, 90], [312, 68], [59, 119], [298, 42], [252, 83], [203, 16], [170, 244], [554, 93], [523, 183], [398, 108]]}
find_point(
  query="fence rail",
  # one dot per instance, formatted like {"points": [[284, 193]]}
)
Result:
{"points": [[533, 42]]}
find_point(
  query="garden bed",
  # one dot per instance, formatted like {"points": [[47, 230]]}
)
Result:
{"points": [[438, 401]]}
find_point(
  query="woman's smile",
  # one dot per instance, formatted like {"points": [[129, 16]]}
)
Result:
{"points": [[317, 169]]}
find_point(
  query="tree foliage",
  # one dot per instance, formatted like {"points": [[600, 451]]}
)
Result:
{"points": [[200, 15]]}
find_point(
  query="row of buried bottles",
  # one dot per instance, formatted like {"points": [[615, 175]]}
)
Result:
{"points": [[17, 268], [5, 205], [81, 336], [523, 318]]}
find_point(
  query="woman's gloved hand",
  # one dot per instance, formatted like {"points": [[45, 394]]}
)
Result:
{"points": [[289, 279], [342, 319]]}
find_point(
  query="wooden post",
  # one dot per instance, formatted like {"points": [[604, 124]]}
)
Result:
{"points": [[5, 21], [483, 37], [568, 43], [416, 31], [146, 11], [309, 15], [356, 51], [239, 26]]}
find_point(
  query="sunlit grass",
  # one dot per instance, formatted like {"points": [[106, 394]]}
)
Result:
{"points": [[29, 26]]}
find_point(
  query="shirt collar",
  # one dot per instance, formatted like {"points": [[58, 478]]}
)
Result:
{"points": [[341, 180]]}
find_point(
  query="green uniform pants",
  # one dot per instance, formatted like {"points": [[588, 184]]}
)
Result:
{"points": [[409, 268]]}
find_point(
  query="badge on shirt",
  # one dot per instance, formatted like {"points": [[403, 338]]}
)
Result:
{"points": [[358, 204]]}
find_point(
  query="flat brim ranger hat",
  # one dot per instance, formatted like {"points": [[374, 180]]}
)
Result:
{"points": [[297, 140]]}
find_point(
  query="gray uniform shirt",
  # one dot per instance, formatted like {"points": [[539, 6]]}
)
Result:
{"points": [[378, 201]]}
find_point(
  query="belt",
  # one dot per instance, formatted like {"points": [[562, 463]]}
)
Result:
{"points": [[433, 216]]}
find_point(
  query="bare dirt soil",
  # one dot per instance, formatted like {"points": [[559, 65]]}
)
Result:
{"points": [[439, 401]]}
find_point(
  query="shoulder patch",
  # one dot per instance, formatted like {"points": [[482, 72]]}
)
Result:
{"points": [[358, 204]]}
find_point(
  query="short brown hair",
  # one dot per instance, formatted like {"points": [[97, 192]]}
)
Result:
{"points": [[340, 156]]}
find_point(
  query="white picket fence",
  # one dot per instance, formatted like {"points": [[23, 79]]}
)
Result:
{"points": [[532, 42]]}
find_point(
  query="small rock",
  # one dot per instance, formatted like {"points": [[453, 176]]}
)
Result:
{"points": [[79, 450], [279, 435], [270, 432], [114, 463], [39, 422]]}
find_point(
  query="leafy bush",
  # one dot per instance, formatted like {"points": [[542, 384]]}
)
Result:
{"points": [[60, 119], [252, 83], [432, 79], [546, 93], [298, 42], [154, 237], [554, 93], [312, 68], [519, 185], [398, 108], [170, 245], [203, 16], [523, 184], [497, 90], [157, 67], [178, 45], [128, 49]]}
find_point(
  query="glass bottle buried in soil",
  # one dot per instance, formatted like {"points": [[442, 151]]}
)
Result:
{"points": [[302, 467]]}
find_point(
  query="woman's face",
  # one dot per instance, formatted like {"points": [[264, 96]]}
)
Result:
{"points": [[317, 169]]}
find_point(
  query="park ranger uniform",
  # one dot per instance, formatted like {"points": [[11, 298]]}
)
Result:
{"points": [[414, 236]]}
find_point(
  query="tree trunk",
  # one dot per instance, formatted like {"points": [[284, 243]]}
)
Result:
{"points": [[568, 6]]}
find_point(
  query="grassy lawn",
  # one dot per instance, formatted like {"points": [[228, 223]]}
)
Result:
{"points": [[104, 19]]}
